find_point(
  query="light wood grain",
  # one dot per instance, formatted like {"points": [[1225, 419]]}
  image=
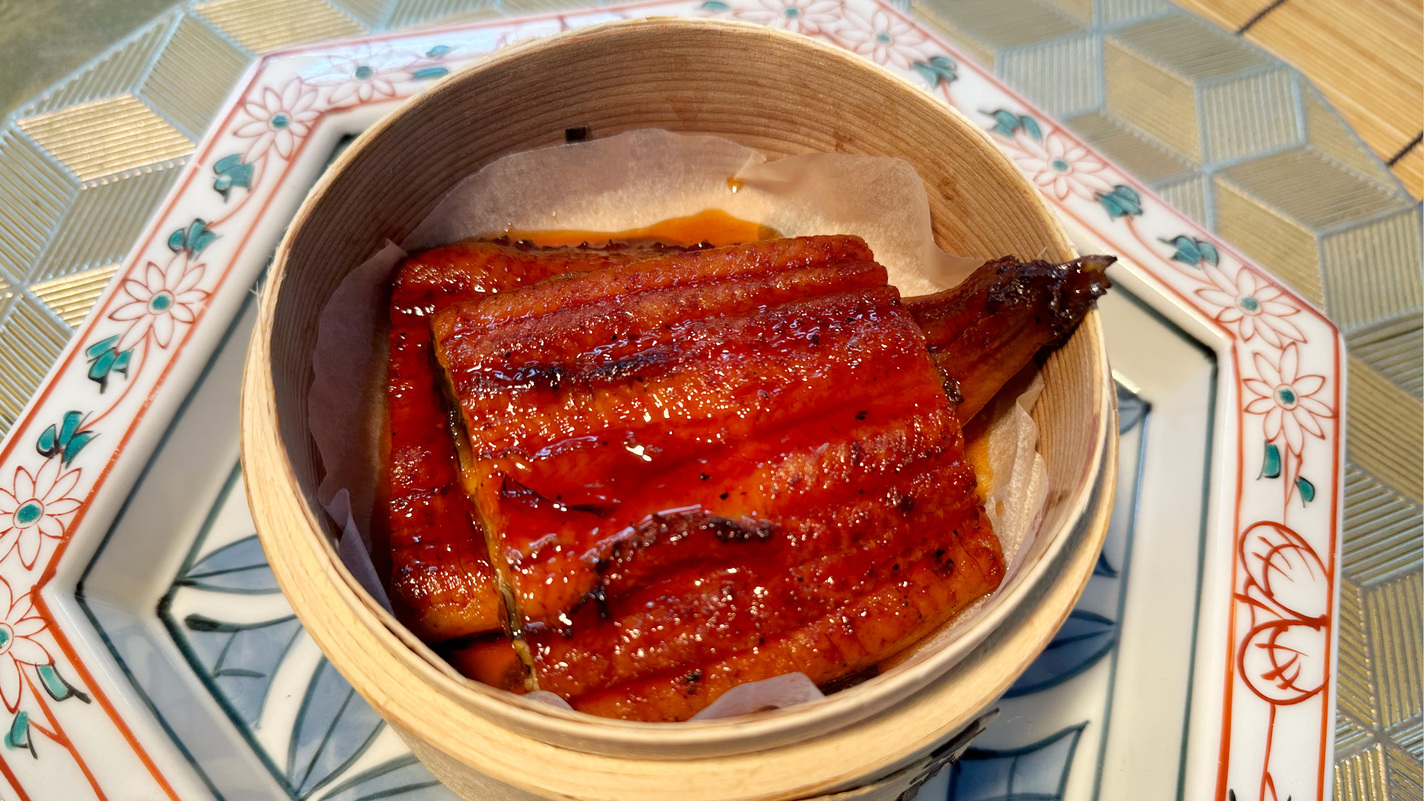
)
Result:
{"points": [[764, 89], [1371, 69], [1366, 56], [1229, 14], [1410, 169]]}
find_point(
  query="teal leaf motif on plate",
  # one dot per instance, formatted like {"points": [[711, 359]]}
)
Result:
{"points": [[1307, 490], [105, 359], [193, 239], [938, 71], [1271, 462], [437, 51], [67, 440], [1193, 252], [58, 688], [715, 5], [231, 174], [19, 734], [1030, 126], [240, 567], [1005, 122], [1122, 201], [1085, 638], [1008, 123], [429, 73], [334, 727], [1035, 772]]}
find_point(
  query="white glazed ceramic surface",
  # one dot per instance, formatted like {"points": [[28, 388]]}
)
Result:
{"points": [[146, 653]]}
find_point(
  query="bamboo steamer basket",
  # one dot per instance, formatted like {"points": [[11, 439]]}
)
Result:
{"points": [[783, 95]]}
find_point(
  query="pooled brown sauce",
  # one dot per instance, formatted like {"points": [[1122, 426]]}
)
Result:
{"points": [[710, 227]]}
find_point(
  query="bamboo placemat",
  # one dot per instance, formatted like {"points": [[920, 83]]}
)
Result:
{"points": [[1307, 180]]}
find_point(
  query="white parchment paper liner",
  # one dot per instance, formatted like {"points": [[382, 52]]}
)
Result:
{"points": [[626, 182], [642, 177]]}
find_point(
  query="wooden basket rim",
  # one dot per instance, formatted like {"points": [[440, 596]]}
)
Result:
{"points": [[268, 459]]}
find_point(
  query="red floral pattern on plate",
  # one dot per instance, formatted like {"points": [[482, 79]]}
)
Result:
{"points": [[34, 508], [1281, 357]]}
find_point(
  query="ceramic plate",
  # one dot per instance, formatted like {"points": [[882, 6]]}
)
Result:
{"points": [[145, 650]]}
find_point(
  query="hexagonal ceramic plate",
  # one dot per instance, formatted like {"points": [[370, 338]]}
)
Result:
{"points": [[145, 651]]}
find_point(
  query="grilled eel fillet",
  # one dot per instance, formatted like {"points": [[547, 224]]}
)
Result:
{"points": [[982, 332], [442, 585], [709, 468]]}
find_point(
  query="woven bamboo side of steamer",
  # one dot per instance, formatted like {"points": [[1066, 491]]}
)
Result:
{"points": [[782, 95]]}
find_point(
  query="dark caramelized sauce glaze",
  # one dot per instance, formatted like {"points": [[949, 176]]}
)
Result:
{"points": [[725, 464], [442, 583], [689, 468], [441, 586]]}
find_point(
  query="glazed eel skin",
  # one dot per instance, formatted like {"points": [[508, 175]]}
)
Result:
{"points": [[695, 469], [442, 585]]}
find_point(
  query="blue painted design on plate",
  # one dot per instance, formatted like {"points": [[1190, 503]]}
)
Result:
{"points": [[1131, 410], [402, 778], [240, 659], [1035, 772], [238, 647], [240, 567], [333, 729], [1084, 638]]}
